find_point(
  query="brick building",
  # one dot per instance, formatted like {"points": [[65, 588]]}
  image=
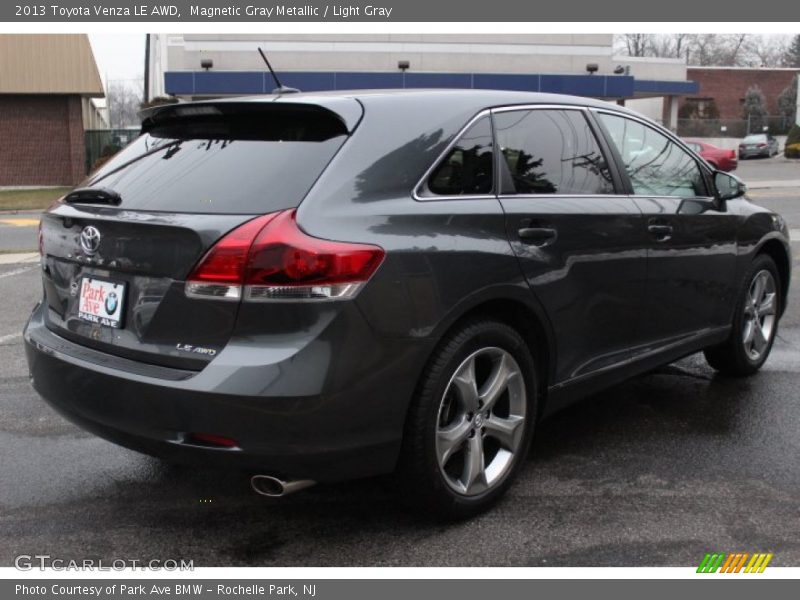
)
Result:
{"points": [[46, 86], [725, 87]]}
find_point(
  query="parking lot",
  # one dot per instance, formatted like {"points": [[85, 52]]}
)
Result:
{"points": [[654, 472]]}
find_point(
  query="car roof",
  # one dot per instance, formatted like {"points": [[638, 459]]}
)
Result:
{"points": [[348, 103], [479, 98]]}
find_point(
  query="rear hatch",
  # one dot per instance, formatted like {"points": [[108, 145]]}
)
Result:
{"points": [[117, 251]]}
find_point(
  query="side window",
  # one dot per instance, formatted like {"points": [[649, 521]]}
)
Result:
{"points": [[656, 165], [468, 168], [551, 152]]}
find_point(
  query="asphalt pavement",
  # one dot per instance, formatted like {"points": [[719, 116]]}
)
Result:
{"points": [[654, 472]]}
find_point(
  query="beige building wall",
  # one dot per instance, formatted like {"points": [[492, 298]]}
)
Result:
{"points": [[453, 53]]}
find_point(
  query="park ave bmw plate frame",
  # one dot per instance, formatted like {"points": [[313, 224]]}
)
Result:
{"points": [[101, 301]]}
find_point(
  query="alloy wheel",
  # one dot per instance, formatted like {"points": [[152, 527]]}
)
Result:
{"points": [[481, 421], [759, 314]]}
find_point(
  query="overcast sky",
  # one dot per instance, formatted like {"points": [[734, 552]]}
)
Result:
{"points": [[119, 56]]}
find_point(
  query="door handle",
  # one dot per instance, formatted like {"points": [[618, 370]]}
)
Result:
{"points": [[661, 232], [537, 236]]}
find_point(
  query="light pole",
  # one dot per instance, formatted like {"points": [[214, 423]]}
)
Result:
{"points": [[797, 112]]}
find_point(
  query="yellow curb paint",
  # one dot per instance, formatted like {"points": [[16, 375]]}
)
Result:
{"points": [[20, 222]]}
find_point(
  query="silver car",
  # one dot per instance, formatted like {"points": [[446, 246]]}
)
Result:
{"points": [[759, 144]]}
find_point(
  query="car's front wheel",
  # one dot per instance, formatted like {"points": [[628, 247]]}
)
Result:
{"points": [[755, 322], [470, 426]]}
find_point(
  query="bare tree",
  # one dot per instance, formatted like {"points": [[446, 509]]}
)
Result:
{"points": [[766, 50], [123, 98], [637, 44], [708, 49]]}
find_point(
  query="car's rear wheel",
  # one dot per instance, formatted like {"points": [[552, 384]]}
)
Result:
{"points": [[755, 322], [470, 426]]}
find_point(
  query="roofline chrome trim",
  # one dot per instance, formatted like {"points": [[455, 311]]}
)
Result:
{"points": [[513, 107]]}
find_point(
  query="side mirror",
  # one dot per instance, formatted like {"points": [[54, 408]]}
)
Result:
{"points": [[729, 186]]}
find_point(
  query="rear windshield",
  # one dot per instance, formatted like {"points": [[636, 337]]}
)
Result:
{"points": [[756, 138], [247, 161]]}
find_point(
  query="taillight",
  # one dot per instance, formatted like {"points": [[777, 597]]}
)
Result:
{"points": [[271, 258], [762, 145]]}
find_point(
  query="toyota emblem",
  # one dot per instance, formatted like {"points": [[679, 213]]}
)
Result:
{"points": [[90, 240]]}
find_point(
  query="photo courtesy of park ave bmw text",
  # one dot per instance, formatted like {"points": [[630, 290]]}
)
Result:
{"points": [[410, 291]]}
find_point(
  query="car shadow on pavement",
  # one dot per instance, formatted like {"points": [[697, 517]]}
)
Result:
{"points": [[655, 440]]}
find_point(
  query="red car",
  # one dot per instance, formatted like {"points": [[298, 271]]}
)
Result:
{"points": [[724, 160]]}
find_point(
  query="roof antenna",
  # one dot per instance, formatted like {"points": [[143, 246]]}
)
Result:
{"points": [[281, 89]]}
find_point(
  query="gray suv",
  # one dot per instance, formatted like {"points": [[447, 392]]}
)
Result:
{"points": [[318, 287]]}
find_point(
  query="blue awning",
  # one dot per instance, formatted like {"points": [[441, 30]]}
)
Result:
{"points": [[213, 83]]}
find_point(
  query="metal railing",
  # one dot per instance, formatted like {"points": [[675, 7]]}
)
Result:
{"points": [[102, 144], [736, 128]]}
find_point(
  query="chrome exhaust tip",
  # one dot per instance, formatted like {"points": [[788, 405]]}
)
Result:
{"points": [[270, 486]]}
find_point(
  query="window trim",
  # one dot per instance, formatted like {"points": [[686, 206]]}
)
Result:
{"points": [[422, 183], [619, 182], [699, 162]]}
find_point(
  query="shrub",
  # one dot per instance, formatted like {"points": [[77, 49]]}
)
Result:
{"points": [[792, 151], [794, 136]]}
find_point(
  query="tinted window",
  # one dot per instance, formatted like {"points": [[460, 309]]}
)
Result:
{"points": [[551, 152], [468, 168], [655, 164], [253, 162]]}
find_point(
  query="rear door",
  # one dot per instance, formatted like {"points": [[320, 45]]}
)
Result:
{"points": [[691, 236], [580, 242], [117, 254]]}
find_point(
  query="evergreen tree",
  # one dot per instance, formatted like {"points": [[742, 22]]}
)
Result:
{"points": [[755, 109], [787, 101], [791, 58]]}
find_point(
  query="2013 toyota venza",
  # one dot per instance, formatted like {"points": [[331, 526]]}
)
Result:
{"points": [[317, 287]]}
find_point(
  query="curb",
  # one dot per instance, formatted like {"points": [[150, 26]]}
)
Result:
{"points": [[19, 258], [22, 211], [769, 184]]}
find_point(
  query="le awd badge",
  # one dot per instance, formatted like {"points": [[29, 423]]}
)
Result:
{"points": [[181, 347]]}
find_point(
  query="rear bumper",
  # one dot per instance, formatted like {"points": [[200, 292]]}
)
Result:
{"points": [[328, 432], [759, 152]]}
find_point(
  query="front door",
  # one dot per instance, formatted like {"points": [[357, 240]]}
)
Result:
{"points": [[691, 235]]}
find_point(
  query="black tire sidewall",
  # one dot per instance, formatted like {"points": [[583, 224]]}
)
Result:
{"points": [[452, 352]]}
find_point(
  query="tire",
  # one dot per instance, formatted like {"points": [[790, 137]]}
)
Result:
{"points": [[755, 322], [451, 421]]}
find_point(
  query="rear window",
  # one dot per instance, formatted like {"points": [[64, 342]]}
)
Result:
{"points": [[232, 159], [755, 138]]}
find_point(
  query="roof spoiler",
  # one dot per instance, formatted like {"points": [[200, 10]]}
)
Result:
{"points": [[348, 110]]}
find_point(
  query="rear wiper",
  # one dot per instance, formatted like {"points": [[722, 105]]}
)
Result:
{"points": [[93, 196]]}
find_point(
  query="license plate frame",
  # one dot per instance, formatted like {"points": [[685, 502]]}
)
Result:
{"points": [[102, 301]]}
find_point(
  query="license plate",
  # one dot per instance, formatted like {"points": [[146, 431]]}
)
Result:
{"points": [[101, 302]]}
